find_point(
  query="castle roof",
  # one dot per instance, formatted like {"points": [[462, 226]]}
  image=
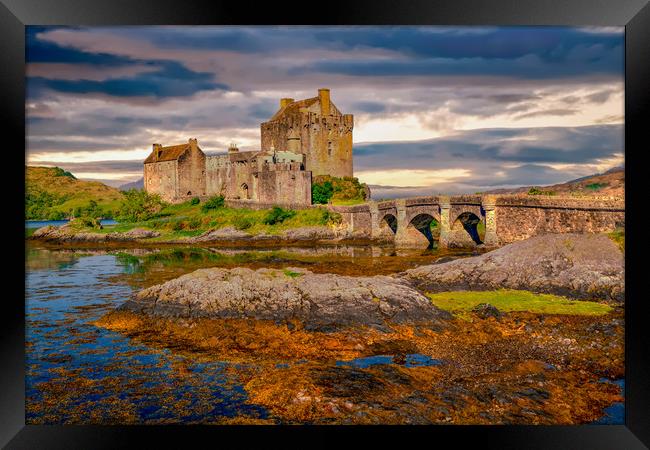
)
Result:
{"points": [[169, 153], [294, 107]]}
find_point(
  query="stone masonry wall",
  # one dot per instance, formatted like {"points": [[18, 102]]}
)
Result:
{"points": [[160, 178], [283, 186], [191, 173], [521, 218], [325, 137]]}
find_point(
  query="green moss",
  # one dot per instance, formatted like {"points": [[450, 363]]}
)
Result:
{"points": [[507, 300], [291, 274]]}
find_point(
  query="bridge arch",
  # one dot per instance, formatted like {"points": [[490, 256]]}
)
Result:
{"points": [[426, 225], [389, 220], [468, 228]]}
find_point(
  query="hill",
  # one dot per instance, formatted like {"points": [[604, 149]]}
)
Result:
{"points": [[610, 183], [138, 184], [52, 193]]}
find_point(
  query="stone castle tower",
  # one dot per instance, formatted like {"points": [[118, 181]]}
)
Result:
{"points": [[316, 128]]}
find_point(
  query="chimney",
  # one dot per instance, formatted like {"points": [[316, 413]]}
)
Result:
{"points": [[285, 101], [157, 150], [193, 143], [324, 97], [233, 148]]}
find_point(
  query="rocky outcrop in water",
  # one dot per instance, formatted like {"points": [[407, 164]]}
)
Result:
{"points": [[575, 265], [319, 301], [66, 234]]}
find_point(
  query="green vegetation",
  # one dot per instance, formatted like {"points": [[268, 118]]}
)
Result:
{"points": [[195, 201], [506, 300], [618, 236], [215, 202], [52, 193], [59, 172], [185, 219], [340, 191], [321, 193], [139, 206], [291, 274], [278, 215], [596, 186], [538, 191], [80, 223]]}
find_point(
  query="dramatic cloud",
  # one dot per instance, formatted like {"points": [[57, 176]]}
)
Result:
{"points": [[444, 109]]}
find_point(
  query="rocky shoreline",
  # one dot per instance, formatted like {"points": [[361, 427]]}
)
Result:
{"points": [[333, 349], [573, 265], [227, 236]]}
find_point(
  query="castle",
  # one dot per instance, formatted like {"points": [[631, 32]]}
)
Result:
{"points": [[304, 138]]}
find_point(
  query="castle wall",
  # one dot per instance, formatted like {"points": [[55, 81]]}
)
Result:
{"points": [[161, 178], [284, 185], [191, 174], [217, 175]]}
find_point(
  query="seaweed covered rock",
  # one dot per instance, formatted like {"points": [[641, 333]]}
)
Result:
{"points": [[318, 301], [574, 265]]}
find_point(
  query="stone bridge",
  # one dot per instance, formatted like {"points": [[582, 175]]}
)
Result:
{"points": [[471, 220]]}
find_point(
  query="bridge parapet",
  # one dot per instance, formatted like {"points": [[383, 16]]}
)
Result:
{"points": [[506, 218], [581, 203]]}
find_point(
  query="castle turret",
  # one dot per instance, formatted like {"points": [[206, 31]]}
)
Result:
{"points": [[293, 141]]}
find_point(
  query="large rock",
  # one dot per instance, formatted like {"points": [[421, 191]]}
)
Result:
{"points": [[576, 265], [319, 301], [65, 234]]}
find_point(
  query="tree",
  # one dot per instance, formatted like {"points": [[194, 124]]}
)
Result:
{"points": [[138, 206]]}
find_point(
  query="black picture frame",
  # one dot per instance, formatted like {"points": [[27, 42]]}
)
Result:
{"points": [[633, 14]]}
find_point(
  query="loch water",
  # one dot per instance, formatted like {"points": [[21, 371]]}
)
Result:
{"points": [[77, 372]]}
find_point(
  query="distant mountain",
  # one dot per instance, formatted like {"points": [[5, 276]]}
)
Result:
{"points": [[610, 182], [139, 184], [53, 193]]}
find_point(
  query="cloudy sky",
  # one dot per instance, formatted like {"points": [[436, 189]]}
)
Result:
{"points": [[437, 109]]}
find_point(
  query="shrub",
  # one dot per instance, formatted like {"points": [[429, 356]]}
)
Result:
{"points": [[596, 186], [321, 193], [138, 206], [330, 217], [214, 202], [59, 172], [56, 215], [278, 215], [195, 201], [242, 223], [85, 222], [537, 191], [194, 224]]}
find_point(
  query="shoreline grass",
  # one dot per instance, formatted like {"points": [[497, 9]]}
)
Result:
{"points": [[510, 300]]}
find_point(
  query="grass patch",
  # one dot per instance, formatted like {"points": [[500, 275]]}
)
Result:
{"points": [[291, 273], [618, 236], [348, 202], [191, 219], [507, 300]]}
